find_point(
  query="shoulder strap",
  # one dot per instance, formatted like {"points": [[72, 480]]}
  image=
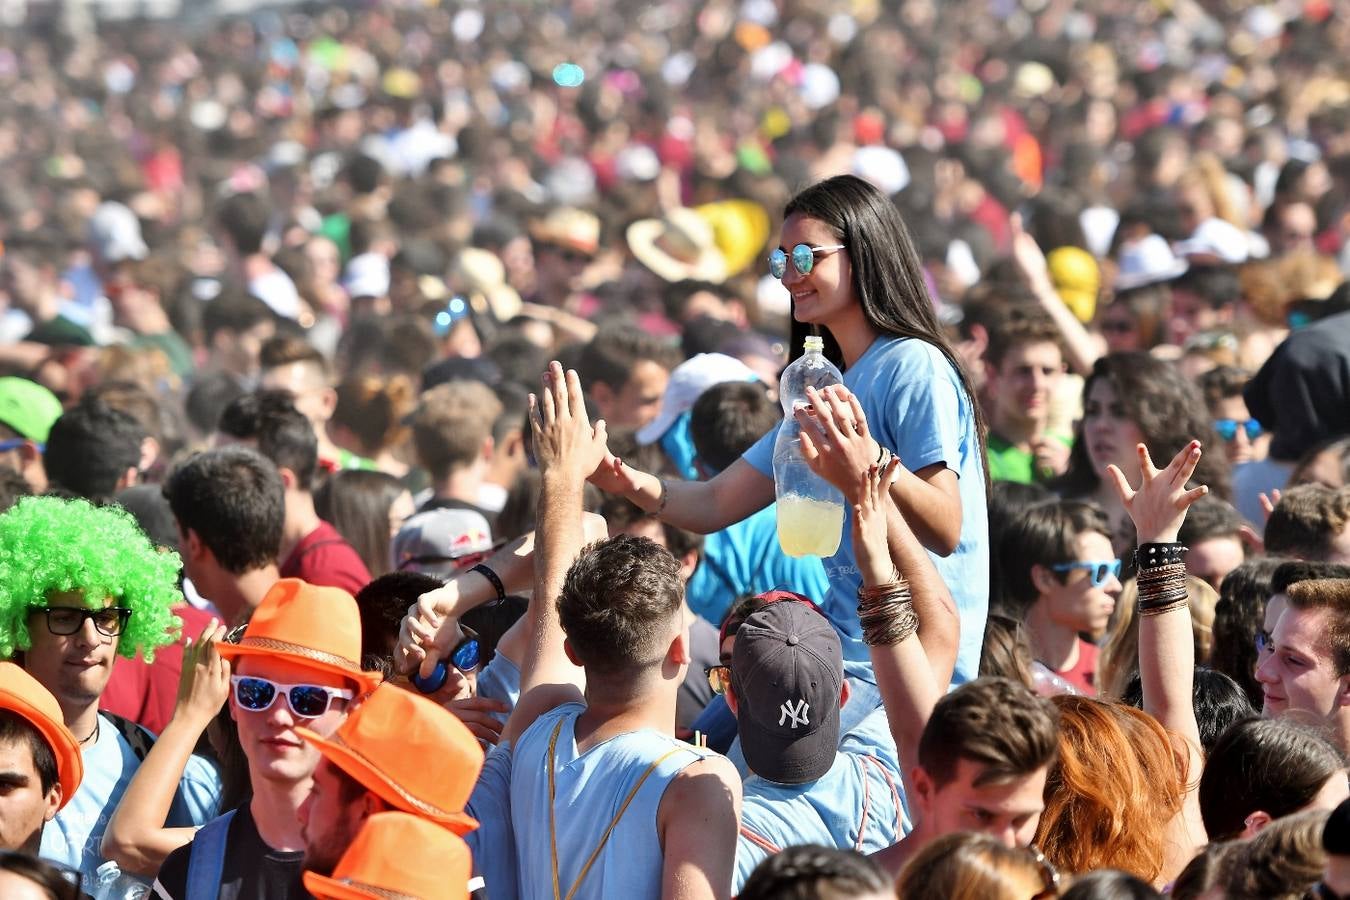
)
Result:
{"points": [[138, 737], [206, 858]]}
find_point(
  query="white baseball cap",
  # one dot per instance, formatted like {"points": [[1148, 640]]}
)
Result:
{"points": [[687, 383]]}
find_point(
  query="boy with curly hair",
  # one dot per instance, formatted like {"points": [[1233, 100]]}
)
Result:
{"points": [[80, 584]]}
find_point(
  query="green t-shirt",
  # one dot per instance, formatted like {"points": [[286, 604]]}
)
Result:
{"points": [[1008, 463]]}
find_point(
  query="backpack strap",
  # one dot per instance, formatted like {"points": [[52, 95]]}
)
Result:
{"points": [[137, 736], [206, 859]]}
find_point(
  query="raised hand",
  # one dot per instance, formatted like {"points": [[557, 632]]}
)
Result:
{"points": [[1158, 506], [204, 684], [565, 442], [869, 525], [836, 443], [425, 636]]}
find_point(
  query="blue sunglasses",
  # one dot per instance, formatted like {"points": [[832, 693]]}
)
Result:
{"points": [[803, 259], [1228, 428], [1099, 571]]}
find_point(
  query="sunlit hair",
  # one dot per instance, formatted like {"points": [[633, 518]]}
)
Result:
{"points": [[1120, 651], [971, 866], [1118, 783]]}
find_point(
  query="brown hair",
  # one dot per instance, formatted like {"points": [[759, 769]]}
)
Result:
{"points": [[1119, 781], [1305, 521], [1283, 861], [285, 349], [1119, 658], [993, 722], [451, 424], [1332, 595], [1006, 652], [971, 866], [373, 409], [1021, 329]]}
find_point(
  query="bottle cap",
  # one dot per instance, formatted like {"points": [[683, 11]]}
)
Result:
{"points": [[814, 342]]}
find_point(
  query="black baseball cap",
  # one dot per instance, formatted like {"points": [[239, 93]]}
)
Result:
{"points": [[787, 671]]}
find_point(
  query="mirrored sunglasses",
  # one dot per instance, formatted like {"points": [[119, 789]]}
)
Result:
{"points": [[803, 258], [309, 701], [466, 656], [719, 678], [1228, 428], [1099, 571]]}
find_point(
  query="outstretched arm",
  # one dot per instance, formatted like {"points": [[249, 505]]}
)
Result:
{"points": [[1166, 642], [568, 448], [698, 506], [136, 838], [1079, 347]]}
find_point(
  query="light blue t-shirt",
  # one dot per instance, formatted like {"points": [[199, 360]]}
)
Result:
{"points": [[500, 680], [492, 843], [75, 836], [857, 805], [590, 789], [746, 558], [914, 405]]}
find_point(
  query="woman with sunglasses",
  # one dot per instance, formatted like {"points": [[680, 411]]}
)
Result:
{"points": [[848, 261]]}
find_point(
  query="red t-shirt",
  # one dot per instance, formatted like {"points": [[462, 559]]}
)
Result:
{"points": [[324, 557], [146, 693], [1083, 674]]}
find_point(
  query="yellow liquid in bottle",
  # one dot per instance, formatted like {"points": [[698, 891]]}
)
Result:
{"points": [[809, 527]]}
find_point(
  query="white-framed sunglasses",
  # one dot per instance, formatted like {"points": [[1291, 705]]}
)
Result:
{"points": [[803, 258]]}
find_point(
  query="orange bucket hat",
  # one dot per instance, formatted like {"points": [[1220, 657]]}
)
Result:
{"points": [[388, 743], [396, 856], [23, 694], [319, 627]]}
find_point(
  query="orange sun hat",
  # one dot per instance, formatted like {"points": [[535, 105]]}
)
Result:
{"points": [[396, 856], [315, 626], [21, 693], [412, 752]]}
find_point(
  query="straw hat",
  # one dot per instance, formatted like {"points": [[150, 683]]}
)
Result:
{"points": [[22, 693], [319, 627], [680, 247], [569, 227], [385, 744], [396, 856], [482, 272], [740, 230]]}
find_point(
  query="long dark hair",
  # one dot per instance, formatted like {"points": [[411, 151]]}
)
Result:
{"points": [[356, 502], [1166, 407], [888, 277]]}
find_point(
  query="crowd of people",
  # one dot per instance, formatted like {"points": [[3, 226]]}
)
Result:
{"points": [[389, 399]]}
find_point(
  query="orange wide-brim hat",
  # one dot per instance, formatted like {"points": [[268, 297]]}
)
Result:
{"points": [[315, 626], [397, 856], [21, 693], [388, 744]]}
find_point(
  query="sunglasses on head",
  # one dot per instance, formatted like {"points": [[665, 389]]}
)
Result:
{"points": [[1228, 428], [308, 701], [67, 620], [803, 258], [1099, 571]]}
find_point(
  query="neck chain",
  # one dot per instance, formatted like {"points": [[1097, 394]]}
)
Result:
{"points": [[93, 734]]}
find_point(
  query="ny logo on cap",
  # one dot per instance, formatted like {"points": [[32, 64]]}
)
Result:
{"points": [[797, 715]]}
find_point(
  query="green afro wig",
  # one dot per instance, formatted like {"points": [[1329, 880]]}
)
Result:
{"points": [[48, 544]]}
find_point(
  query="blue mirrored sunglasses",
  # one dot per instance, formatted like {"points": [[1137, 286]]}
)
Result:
{"points": [[1228, 428], [803, 258], [1098, 570], [466, 656], [455, 310]]}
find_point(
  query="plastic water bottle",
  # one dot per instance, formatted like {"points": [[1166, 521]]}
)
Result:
{"points": [[810, 509]]}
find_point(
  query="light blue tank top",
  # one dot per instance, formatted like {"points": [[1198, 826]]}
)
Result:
{"points": [[589, 791]]}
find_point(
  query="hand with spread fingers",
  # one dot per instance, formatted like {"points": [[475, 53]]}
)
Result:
{"points": [[565, 441], [1158, 506], [836, 443]]}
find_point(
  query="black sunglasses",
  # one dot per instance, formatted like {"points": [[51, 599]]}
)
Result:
{"points": [[67, 620]]}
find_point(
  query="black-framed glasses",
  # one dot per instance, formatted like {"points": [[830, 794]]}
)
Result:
{"points": [[719, 678], [68, 620], [308, 701], [1228, 428], [1099, 570], [1049, 875], [803, 258]]}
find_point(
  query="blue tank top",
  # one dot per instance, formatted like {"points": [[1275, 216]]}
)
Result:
{"points": [[589, 792]]}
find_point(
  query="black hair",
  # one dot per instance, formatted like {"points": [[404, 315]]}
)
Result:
{"points": [[888, 277], [244, 218], [208, 397], [234, 311], [281, 431], [356, 502], [364, 173], [233, 499], [56, 882], [1108, 884], [1043, 535], [812, 872], [1219, 702], [727, 419], [1209, 517], [15, 729], [383, 603], [1295, 570], [1237, 617], [1270, 765], [1217, 286], [617, 347], [91, 447]]}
